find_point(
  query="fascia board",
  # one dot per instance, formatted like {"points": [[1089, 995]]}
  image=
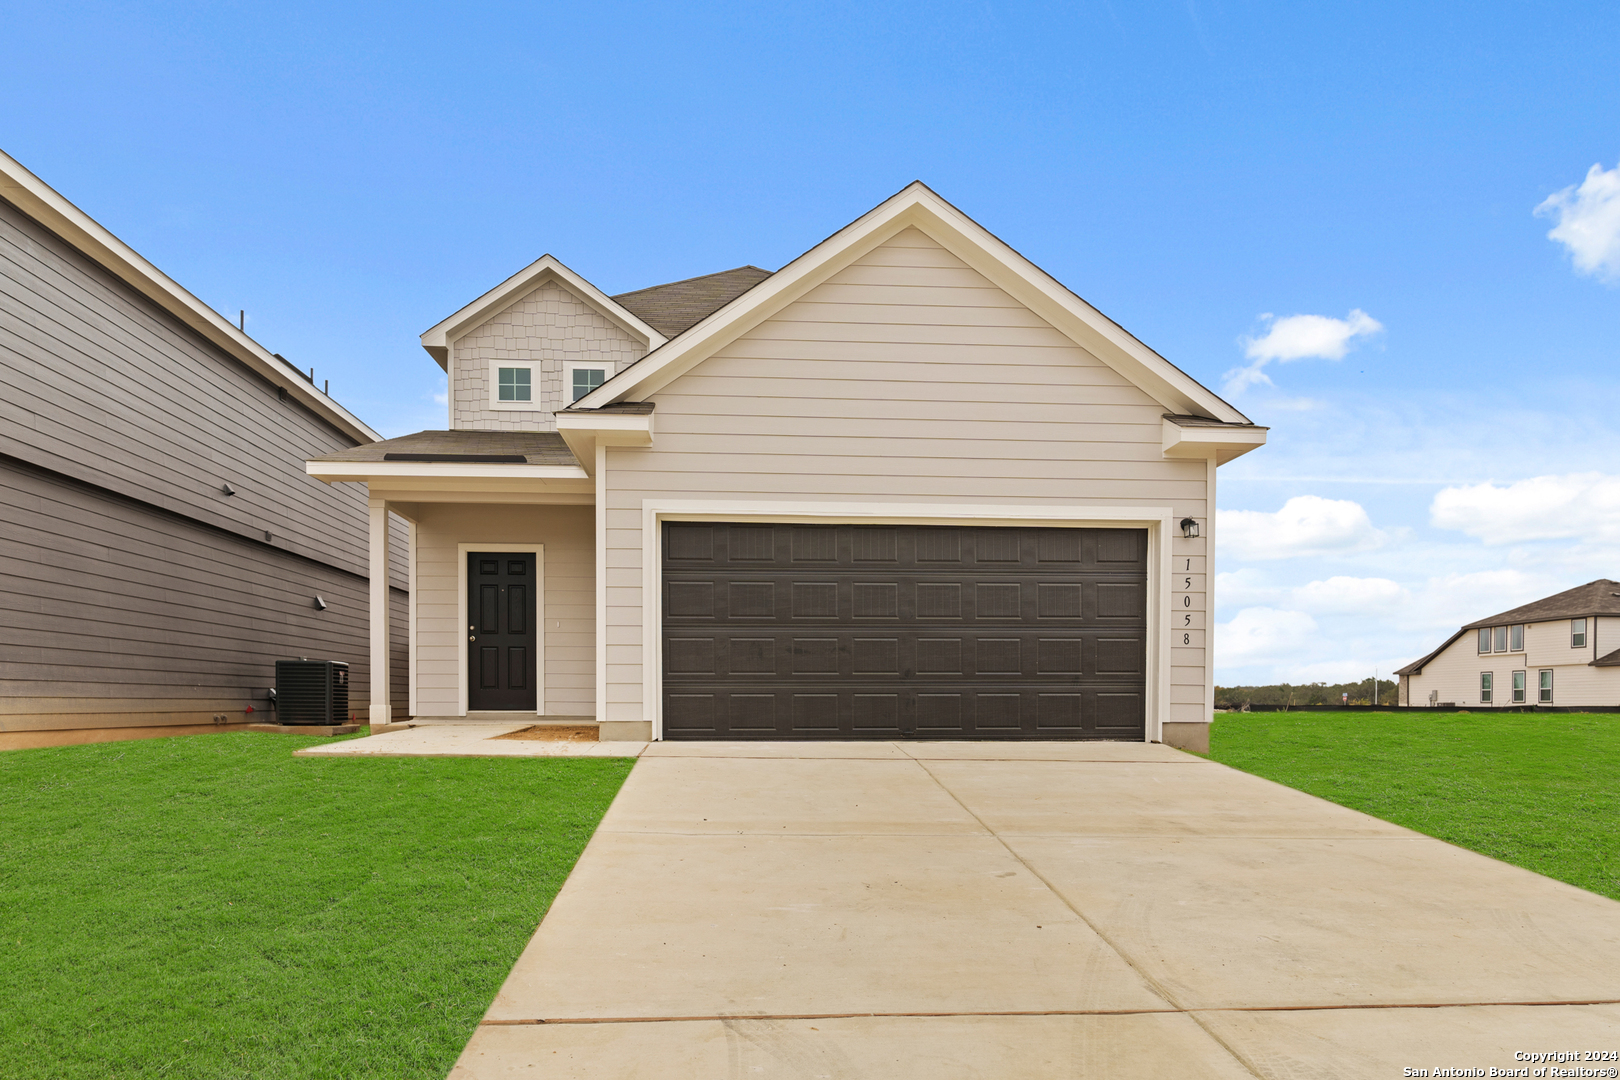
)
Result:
{"points": [[436, 340], [42, 203], [583, 432], [1224, 444], [918, 206], [362, 471]]}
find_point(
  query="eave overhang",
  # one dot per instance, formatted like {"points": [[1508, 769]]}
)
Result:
{"points": [[1201, 437], [435, 473], [586, 429]]}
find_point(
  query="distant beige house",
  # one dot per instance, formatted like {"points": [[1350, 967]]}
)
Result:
{"points": [[1556, 652], [906, 486]]}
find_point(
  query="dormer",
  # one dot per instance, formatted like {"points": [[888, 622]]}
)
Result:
{"points": [[532, 345]]}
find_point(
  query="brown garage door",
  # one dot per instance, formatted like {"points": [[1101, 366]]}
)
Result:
{"points": [[790, 631]]}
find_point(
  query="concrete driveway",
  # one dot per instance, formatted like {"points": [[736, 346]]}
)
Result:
{"points": [[929, 910]]}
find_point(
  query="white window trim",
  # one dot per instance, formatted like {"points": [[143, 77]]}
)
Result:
{"points": [[535, 368], [1155, 519], [539, 550], [1518, 695], [1583, 632], [1550, 684], [1483, 689], [570, 366]]}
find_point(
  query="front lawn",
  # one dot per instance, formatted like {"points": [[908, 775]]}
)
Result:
{"points": [[211, 906], [1538, 790]]}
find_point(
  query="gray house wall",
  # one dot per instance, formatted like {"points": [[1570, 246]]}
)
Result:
{"points": [[133, 591]]}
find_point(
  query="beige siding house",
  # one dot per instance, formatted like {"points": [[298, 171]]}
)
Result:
{"points": [[1562, 651], [906, 486]]}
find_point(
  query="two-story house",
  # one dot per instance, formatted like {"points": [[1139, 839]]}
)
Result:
{"points": [[908, 485], [1553, 652], [160, 544]]}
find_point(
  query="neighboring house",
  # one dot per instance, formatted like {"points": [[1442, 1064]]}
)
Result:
{"points": [[162, 546], [906, 486], [1556, 651]]}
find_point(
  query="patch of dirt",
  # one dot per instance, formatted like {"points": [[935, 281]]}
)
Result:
{"points": [[554, 733]]}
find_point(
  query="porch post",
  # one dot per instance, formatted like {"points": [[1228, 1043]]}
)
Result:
{"points": [[381, 711]]}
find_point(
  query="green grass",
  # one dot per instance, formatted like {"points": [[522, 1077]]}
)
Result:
{"points": [[213, 907], [1536, 790]]}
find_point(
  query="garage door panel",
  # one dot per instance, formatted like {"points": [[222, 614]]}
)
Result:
{"points": [[860, 631]]}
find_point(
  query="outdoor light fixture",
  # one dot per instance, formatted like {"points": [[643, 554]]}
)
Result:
{"points": [[1189, 528], [320, 605]]}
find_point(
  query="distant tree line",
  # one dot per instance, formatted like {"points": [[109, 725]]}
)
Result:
{"points": [[1306, 695]]}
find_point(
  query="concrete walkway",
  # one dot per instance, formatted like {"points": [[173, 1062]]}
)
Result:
{"points": [[928, 910]]}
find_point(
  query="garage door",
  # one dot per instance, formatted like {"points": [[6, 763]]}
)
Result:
{"points": [[791, 631]]}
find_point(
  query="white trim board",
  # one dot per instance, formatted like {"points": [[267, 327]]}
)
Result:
{"points": [[1157, 520], [539, 550], [916, 206]]}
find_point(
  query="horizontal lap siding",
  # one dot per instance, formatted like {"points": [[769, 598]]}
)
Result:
{"points": [[907, 377], [98, 383], [568, 591], [107, 607]]}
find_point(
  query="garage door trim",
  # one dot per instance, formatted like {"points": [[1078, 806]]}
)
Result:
{"points": [[1155, 519]]}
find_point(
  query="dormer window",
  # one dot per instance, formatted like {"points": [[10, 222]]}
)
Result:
{"points": [[580, 378], [513, 384]]}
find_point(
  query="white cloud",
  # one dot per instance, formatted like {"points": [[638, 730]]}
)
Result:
{"points": [[1583, 506], [1306, 525], [1588, 222], [1351, 596], [1447, 602], [1261, 635], [1299, 337]]}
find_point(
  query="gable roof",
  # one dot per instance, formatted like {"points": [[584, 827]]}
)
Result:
{"points": [[1600, 597], [917, 206], [45, 205], [676, 307], [547, 268]]}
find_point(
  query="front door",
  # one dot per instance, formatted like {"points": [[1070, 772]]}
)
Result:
{"points": [[501, 631]]}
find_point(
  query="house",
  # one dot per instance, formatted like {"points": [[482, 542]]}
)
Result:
{"points": [[907, 485], [1550, 652], [162, 544]]}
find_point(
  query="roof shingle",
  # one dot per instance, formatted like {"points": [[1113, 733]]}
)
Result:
{"points": [[676, 307], [535, 447]]}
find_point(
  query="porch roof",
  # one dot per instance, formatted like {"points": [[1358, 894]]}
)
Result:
{"points": [[470, 447]]}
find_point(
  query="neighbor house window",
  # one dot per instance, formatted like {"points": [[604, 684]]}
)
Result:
{"points": [[1484, 639], [1544, 694], [1518, 688], [514, 384], [1577, 633], [581, 379], [1501, 638], [1485, 688], [1516, 637]]}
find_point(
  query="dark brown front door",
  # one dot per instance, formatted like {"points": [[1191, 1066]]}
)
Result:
{"points": [[798, 631], [501, 631]]}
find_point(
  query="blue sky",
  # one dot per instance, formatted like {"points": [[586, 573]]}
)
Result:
{"points": [[1202, 172]]}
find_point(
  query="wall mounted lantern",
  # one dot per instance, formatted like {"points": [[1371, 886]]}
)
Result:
{"points": [[1189, 528]]}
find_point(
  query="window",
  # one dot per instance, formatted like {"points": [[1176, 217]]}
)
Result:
{"points": [[1518, 688], [1544, 695], [514, 384], [581, 379], [1577, 633], [1501, 638], [1485, 688], [1516, 638], [1484, 639]]}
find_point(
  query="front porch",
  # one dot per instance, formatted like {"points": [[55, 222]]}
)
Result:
{"points": [[483, 506]]}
